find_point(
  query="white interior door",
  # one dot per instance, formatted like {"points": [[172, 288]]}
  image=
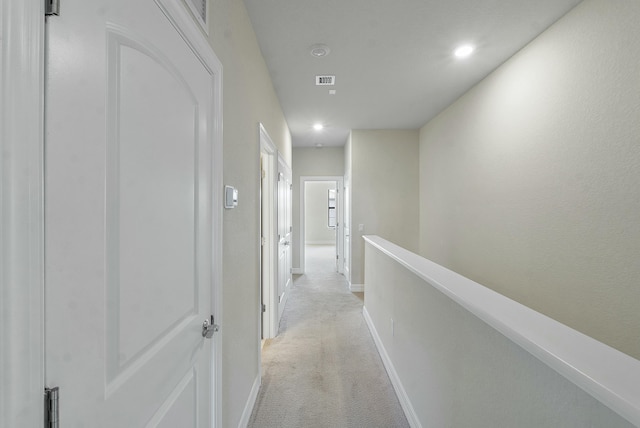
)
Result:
{"points": [[130, 215], [346, 222], [284, 234]]}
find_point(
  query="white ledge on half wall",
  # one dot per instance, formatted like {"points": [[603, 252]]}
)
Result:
{"points": [[605, 373]]}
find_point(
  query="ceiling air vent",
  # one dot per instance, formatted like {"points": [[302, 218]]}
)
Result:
{"points": [[199, 7], [325, 80]]}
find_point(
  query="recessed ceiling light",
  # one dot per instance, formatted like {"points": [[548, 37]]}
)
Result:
{"points": [[318, 127], [318, 145], [463, 51], [320, 50], [332, 91]]}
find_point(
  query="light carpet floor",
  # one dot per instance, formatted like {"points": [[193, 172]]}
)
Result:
{"points": [[323, 369]]}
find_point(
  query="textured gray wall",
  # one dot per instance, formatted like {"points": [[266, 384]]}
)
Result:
{"points": [[384, 191], [529, 182]]}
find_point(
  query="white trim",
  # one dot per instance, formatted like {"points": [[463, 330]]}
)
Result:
{"points": [[608, 375], [251, 402], [297, 271], [407, 407], [339, 180], [21, 212], [269, 203], [327, 243], [356, 288]]}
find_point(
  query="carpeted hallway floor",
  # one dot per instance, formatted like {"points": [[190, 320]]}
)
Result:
{"points": [[323, 369]]}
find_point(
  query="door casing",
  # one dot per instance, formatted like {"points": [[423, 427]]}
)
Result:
{"points": [[21, 212]]}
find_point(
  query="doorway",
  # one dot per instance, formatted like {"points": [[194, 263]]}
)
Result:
{"points": [[321, 223]]}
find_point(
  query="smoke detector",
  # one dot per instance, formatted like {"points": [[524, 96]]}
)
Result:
{"points": [[320, 50]]}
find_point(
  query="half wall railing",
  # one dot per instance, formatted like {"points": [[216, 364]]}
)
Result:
{"points": [[462, 355]]}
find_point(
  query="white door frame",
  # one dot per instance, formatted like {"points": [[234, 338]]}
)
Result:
{"points": [[21, 212], [339, 180], [269, 231], [22, 54]]}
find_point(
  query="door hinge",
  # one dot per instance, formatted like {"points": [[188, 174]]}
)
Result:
{"points": [[264, 308], [52, 7], [51, 407]]}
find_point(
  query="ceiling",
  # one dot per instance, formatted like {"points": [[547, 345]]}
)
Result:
{"points": [[393, 59]]}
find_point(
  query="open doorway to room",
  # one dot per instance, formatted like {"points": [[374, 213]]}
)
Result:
{"points": [[321, 237]]}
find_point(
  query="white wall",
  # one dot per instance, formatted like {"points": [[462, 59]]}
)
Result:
{"points": [[317, 231], [529, 182], [456, 370], [384, 191], [249, 98], [327, 161]]}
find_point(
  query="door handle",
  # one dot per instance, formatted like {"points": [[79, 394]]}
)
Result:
{"points": [[209, 327]]}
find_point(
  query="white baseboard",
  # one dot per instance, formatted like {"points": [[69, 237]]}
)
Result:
{"points": [[297, 271], [248, 408], [356, 288], [407, 407]]}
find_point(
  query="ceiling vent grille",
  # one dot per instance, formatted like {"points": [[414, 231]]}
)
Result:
{"points": [[325, 80], [199, 8]]}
